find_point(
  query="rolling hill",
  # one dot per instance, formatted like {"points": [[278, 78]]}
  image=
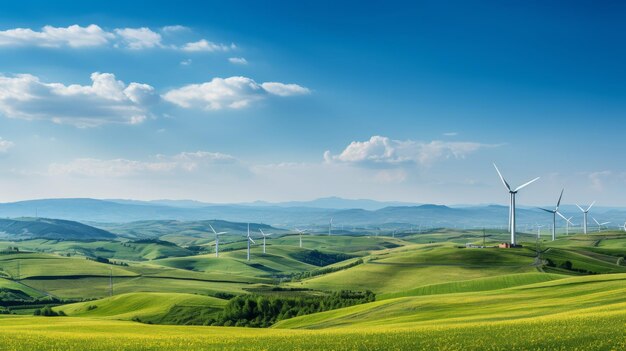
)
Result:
{"points": [[46, 228]]}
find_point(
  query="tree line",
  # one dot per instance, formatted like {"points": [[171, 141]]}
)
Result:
{"points": [[260, 311]]}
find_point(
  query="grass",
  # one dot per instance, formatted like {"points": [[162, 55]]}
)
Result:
{"points": [[569, 331], [148, 307], [480, 284], [45, 265], [576, 295]]}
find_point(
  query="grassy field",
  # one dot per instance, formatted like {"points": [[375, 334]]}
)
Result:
{"points": [[433, 293], [159, 308]]}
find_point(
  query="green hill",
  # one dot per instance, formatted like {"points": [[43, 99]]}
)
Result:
{"points": [[29, 228], [158, 308]]}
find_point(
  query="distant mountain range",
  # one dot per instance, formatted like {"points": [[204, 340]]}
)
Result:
{"points": [[287, 215], [54, 229]]}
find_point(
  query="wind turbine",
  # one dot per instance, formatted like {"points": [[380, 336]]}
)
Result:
{"points": [[554, 212], [512, 224], [599, 224], [539, 230], [217, 240], [623, 227], [249, 240], [330, 226], [264, 236], [585, 213], [300, 232], [568, 222]]}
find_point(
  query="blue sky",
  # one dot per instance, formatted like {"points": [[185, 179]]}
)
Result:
{"points": [[241, 101]]}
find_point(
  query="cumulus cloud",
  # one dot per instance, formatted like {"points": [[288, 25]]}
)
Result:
{"points": [[174, 29], [238, 60], [379, 150], [139, 38], [106, 100], [77, 36], [182, 162], [208, 46], [232, 92], [5, 145], [281, 89], [72, 36]]}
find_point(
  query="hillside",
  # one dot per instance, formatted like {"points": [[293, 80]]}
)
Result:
{"points": [[45, 228]]}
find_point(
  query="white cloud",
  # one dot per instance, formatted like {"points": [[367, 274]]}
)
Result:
{"points": [[598, 179], [77, 36], [186, 62], [238, 60], [5, 145], [72, 36], [450, 134], [160, 164], [208, 46], [232, 92], [106, 100], [281, 89], [379, 150], [139, 38], [174, 29]]}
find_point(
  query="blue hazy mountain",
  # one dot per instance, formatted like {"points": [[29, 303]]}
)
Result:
{"points": [[284, 216], [54, 229]]}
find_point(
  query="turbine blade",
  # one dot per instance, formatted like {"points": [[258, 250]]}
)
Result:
{"points": [[605, 223], [220, 233], [590, 206], [580, 208], [502, 178], [261, 230], [595, 220], [546, 210], [560, 197], [249, 238], [210, 226], [526, 184], [559, 213]]}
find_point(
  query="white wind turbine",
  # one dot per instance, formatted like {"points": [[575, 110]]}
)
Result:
{"points": [[539, 230], [300, 232], [217, 240], [264, 236], [249, 240], [554, 213], [330, 226], [585, 214], [568, 222], [599, 224], [623, 227], [512, 223]]}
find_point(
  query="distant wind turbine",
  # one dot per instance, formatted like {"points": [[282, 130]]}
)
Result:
{"points": [[330, 226], [264, 236], [300, 232], [539, 230], [585, 213], [554, 213], [217, 240], [249, 240], [599, 224], [512, 224], [568, 222], [623, 227]]}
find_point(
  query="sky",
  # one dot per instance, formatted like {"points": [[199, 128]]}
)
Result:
{"points": [[237, 101]]}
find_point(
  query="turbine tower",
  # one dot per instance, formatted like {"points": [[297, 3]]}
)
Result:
{"points": [[554, 213], [568, 222], [300, 232], [217, 240], [539, 230], [512, 224], [330, 226], [249, 240], [264, 236], [585, 213], [599, 224]]}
